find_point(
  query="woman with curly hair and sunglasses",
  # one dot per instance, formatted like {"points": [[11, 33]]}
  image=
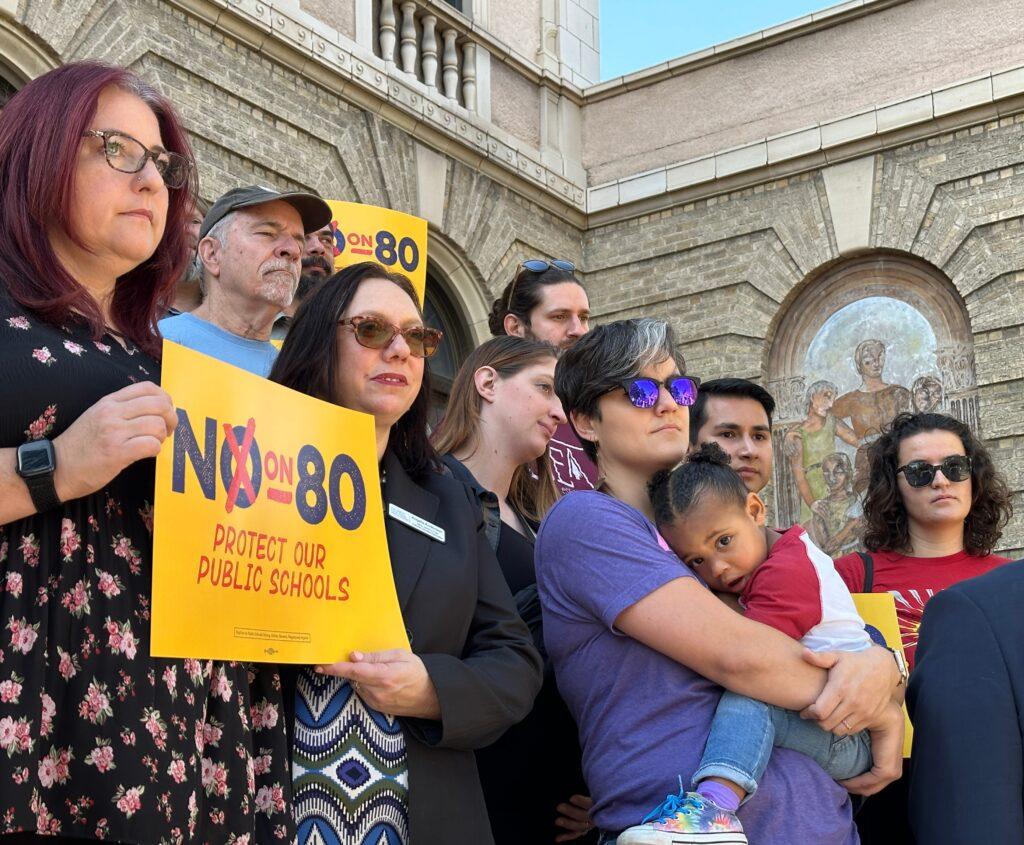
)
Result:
{"points": [[934, 510]]}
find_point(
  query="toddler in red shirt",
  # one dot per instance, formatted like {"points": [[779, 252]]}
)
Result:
{"points": [[715, 526]]}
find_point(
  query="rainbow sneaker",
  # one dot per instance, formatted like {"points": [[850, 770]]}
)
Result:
{"points": [[686, 819]]}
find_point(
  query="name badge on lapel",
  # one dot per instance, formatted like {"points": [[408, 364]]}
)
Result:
{"points": [[417, 523]]}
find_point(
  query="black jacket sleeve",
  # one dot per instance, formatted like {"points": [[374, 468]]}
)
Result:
{"points": [[966, 785], [493, 684]]}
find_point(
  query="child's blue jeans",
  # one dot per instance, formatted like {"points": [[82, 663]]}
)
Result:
{"points": [[744, 731]]}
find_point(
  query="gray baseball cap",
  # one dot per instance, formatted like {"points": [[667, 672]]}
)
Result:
{"points": [[315, 213]]}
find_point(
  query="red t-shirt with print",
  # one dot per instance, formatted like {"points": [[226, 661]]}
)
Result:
{"points": [[912, 581]]}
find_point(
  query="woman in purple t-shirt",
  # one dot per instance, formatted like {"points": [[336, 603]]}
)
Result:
{"points": [[642, 649]]}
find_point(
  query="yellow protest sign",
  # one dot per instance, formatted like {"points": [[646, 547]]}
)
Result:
{"points": [[392, 238], [878, 610], [269, 540]]}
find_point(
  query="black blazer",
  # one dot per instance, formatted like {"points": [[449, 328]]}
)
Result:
{"points": [[966, 700], [462, 622]]}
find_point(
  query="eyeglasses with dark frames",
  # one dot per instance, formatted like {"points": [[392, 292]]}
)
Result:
{"points": [[537, 265], [921, 473], [129, 155], [375, 333], [643, 392]]}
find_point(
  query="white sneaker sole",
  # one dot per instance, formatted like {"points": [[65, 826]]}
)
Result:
{"points": [[661, 837]]}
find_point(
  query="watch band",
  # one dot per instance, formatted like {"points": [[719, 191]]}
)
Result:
{"points": [[901, 666], [43, 492]]}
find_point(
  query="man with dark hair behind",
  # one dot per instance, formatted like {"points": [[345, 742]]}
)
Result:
{"points": [[545, 301], [737, 414], [317, 265]]}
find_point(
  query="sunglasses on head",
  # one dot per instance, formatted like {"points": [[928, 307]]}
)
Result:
{"points": [[643, 392], [922, 473], [539, 265], [375, 333]]}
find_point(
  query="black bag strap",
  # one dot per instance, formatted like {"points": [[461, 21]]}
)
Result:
{"points": [[869, 571]]}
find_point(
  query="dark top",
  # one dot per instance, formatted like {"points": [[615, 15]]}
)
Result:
{"points": [[966, 700], [515, 556], [536, 764], [462, 623], [98, 739]]}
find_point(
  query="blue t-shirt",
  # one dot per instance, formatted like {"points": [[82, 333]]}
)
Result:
{"points": [[256, 356], [643, 718]]}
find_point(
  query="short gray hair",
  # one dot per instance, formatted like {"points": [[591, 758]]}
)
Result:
{"points": [[219, 232], [608, 355]]}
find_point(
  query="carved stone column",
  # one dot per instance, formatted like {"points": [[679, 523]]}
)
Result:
{"points": [[450, 65], [469, 75], [408, 49], [428, 50], [387, 31]]}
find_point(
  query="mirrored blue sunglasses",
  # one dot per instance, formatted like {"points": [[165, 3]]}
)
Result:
{"points": [[643, 391]]}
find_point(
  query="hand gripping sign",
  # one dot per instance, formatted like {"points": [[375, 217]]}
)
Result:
{"points": [[269, 540], [369, 233], [878, 610]]}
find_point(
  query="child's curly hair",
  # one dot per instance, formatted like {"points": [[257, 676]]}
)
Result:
{"points": [[705, 470]]}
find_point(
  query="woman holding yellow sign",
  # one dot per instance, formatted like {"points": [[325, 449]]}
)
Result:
{"points": [[382, 744], [99, 740]]}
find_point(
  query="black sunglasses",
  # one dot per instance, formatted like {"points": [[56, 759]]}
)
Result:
{"points": [[643, 392], [538, 265], [374, 333], [129, 155], [922, 473]]}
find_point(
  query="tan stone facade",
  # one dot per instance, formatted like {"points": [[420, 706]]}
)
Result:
{"points": [[719, 191]]}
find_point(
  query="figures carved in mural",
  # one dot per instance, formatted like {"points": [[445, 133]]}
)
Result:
{"points": [[858, 383], [809, 443], [871, 405], [836, 515]]}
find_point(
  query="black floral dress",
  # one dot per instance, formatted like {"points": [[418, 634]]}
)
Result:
{"points": [[98, 739]]}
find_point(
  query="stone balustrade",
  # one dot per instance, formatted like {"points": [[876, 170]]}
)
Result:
{"points": [[435, 52]]}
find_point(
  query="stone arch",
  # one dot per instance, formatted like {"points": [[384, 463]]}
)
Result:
{"points": [[23, 56], [463, 281], [454, 303], [922, 358]]}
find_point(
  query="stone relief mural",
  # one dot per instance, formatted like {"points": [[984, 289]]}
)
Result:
{"points": [[868, 361]]}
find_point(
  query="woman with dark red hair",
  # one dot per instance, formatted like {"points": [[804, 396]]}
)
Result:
{"points": [[101, 740]]}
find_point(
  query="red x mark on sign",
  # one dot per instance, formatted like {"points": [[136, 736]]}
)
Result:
{"points": [[241, 477]]}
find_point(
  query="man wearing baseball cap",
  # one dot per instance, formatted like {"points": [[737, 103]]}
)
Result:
{"points": [[250, 245]]}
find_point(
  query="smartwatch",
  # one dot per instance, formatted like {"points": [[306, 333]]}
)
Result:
{"points": [[36, 463]]}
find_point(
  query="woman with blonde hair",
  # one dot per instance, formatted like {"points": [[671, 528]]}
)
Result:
{"points": [[501, 414]]}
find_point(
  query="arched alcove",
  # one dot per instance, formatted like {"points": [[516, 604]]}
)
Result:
{"points": [[456, 304], [23, 57], [463, 282], [857, 342]]}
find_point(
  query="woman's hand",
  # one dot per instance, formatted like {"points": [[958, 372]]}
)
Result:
{"points": [[120, 429], [886, 753], [574, 818], [860, 686], [393, 682]]}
